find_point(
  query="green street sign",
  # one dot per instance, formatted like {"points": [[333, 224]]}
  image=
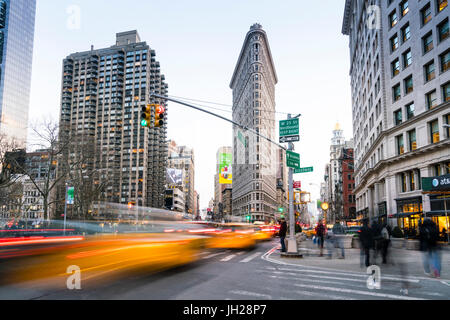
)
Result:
{"points": [[70, 195], [292, 159], [289, 127], [303, 170]]}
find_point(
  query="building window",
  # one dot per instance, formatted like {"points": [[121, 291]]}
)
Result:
{"points": [[437, 170], [446, 92], [396, 92], [427, 42], [395, 65], [409, 110], [404, 9], [434, 131], [408, 82], [394, 43], [431, 99], [429, 71], [400, 145], [407, 58], [447, 121], [443, 31], [406, 34], [412, 140], [403, 180], [426, 14], [412, 181], [398, 117], [393, 19], [445, 61], [441, 5]]}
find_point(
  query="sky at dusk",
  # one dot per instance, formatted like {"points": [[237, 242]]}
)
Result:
{"points": [[197, 44]]}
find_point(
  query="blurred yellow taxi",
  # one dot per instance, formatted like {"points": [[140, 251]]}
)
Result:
{"points": [[309, 232], [107, 255], [232, 236], [264, 232]]}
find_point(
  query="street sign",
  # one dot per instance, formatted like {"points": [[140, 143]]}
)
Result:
{"points": [[289, 131], [292, 159], [289, 127], [303, 170], [70, 195], [297, 184], [289, 139]]}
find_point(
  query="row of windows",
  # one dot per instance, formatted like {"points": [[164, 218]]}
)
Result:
{"points": [[425, 12], [434, 137], [431, 100]]}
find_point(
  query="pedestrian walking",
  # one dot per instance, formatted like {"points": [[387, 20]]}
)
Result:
{"points": [[338, 232], [385, 242], [282, 234], [366, 240], [377, 239], [320, 234], [428, 236]]}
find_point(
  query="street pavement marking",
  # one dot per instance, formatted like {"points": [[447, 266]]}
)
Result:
{"points": [[253, 256], [349, 274], [251, 294], [213, 255], [343, 290], [313, 280], [228, 258], [321, 295]]}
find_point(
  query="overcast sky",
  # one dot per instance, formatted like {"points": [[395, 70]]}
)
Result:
{"points": [[197, 43]]}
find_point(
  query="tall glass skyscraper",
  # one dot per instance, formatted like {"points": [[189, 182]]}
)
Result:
{"points": [[16, 55]]}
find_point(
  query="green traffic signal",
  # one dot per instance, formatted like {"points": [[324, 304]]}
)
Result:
{"points": [[280, 209], [144, 123]]}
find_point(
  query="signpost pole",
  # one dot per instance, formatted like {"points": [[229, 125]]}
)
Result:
{"points": [[292, 243], [65, 209]]}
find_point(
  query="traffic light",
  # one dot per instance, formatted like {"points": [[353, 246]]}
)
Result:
{"points": [[248, 218], [280, 209], [145, 116], [159, 116]]}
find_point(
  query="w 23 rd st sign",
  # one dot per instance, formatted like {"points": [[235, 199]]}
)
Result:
{"points": [[304, 170], [292, 159], [289, 131]]}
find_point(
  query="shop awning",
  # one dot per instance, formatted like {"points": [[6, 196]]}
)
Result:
{"points": [[437, 213], [404, 214]]}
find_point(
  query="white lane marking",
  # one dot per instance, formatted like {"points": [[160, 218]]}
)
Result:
{"points": [[240, 252], [213, 255], [393, 277], [313, 280], [251, 294], [351, 291], [348, 274], [445, 282], [250, 258], [322, 296], [228, 258], [435, 294]]}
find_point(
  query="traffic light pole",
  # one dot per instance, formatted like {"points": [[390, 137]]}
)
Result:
{"points": [[216, 115], [292, 242]]}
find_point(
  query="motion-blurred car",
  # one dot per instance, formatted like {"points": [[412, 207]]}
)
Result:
{"points": [[310, 232], [264, 232], [232, 236]]}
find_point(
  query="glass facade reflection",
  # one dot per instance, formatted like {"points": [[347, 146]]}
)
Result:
{"points": [[16, 54]]}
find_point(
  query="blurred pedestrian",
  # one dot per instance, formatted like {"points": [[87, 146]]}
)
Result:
{"points": [[320, 234], [282, 234], [377, 239], [385, 242], [338, 233], [428, 236], [366, 240]]}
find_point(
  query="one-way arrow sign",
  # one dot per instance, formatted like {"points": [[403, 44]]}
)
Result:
{"points": [[289, 139]]}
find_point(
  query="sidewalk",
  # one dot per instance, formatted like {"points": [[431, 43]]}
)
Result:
{"points": [[400, 261]]}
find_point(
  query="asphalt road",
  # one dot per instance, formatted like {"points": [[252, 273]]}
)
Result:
{"points": [[258, 274]]}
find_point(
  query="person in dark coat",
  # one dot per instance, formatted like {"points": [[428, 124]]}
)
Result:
{"points": [[366, 240], [282, 234], [320, 234], [428, 237]]}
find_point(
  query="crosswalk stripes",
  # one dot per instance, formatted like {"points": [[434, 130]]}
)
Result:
{"points": [[307, 283], [208, 255]]}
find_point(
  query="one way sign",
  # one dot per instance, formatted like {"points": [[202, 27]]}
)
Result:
{"points": [[289, 139]]}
